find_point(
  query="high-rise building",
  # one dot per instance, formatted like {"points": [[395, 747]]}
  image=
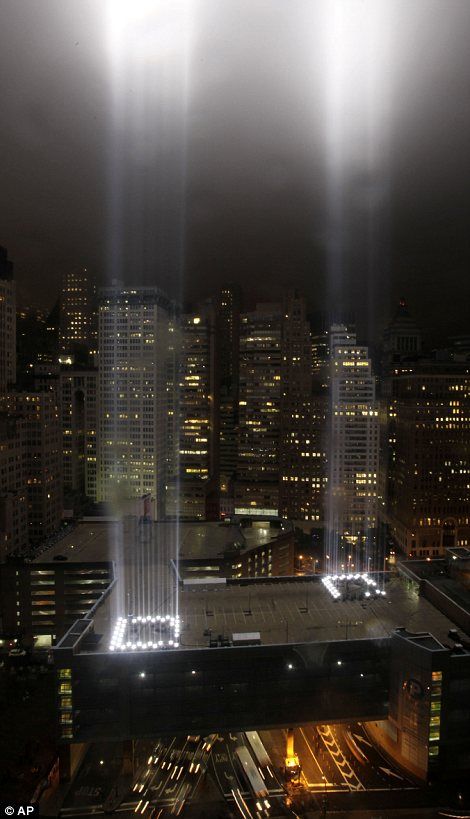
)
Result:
{"points": [[257, 485], [227, 372], [300, 448], [196, 391], [172, 398], [78, 408], [13, 493], [42, 460], [77, 313], [187, 491], [428, 493], [7, 323], [353, 453], [134, 329], [401, 339]]}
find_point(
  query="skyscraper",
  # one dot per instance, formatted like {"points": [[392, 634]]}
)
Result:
{"points": [[401, 338], [134, 326], [353, 453], [13, 493], [227, 374], [196, 416], [257, 486], [7, 323], [196, 393], [428, 497], [77, 313], [42, 459], [300, 453], [78, 408]]}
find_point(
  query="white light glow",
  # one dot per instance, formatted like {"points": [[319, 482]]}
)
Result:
{"points": [[151, 30], [331, 583], [148, 633]]}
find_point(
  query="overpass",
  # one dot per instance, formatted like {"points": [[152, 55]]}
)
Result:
{"points": [[131, 696], [320, 659]]}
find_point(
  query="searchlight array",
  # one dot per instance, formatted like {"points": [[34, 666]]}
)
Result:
{"points": [[335, 584], [145, 633]]}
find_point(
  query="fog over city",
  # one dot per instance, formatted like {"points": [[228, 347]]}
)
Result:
{"points": [[318, 143]]}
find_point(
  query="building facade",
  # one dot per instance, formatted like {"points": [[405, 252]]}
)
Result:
{"points": [[257, 486], [40, 601], [227, 376], [132, 452], [7, 323], [301, 455], [13, 492], [78, 408], [77, 313], [353, 453], [428, 494], [401, 339], [195, 417], [42, 460]]}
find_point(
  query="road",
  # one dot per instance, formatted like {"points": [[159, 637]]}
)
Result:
{"points": [[165, 776], [338, 758]]}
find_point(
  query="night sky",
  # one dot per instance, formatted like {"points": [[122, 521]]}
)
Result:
{"points": [[186, 144]]}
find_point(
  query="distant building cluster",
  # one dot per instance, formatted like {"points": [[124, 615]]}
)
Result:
{"points": [[121, 400]]}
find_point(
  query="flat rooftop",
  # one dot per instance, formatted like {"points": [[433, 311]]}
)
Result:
{"points": [[283, 610], [290, 611], [93, 541]]}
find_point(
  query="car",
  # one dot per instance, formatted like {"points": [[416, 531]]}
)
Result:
{"points": [[60, 557], [193, 739]]}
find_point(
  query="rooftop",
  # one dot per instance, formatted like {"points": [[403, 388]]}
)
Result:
{"points": [[282, 610], [97, 540]]}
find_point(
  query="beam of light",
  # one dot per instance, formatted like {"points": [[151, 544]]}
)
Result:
{"points": [[151, 31], [148, 46], [354, 66]]}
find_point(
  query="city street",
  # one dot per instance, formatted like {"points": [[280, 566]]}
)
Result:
{"points": [[162, 778], [338, 758]]}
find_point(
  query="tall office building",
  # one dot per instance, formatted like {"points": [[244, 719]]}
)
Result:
{"points": [[196, 391], [187, 492], [42, 459], [353, 453], [7, 323], [13, 493], [428, 497], [78, 408], [227, 371], [77, 313], [257, 485], [134, 326], [401, 339], [300, 447], [172, 398]]}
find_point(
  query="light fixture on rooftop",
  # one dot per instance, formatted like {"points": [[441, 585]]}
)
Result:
{"points": [[142, 628]]}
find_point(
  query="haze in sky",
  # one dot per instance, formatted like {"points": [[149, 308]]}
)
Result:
{"points": [[189, 143]]}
